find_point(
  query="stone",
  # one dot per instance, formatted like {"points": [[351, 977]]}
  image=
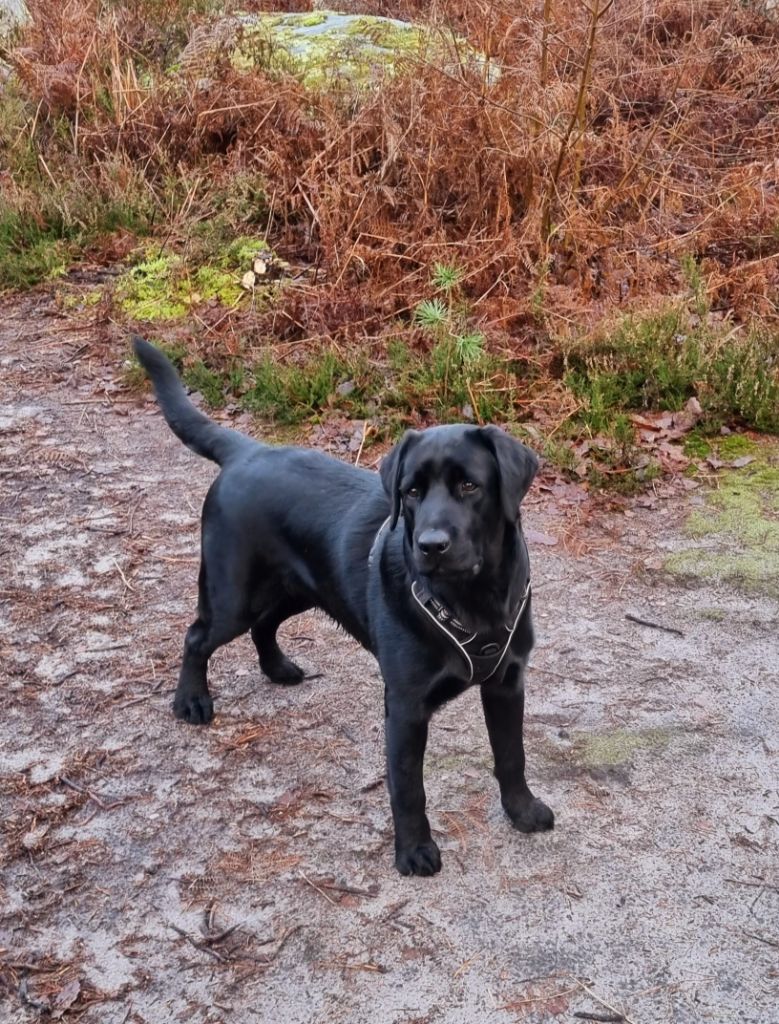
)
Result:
{"points": [[321, 48], [12, 14]]}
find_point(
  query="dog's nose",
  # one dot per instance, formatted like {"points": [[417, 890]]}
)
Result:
{"points": [[433, 542]]}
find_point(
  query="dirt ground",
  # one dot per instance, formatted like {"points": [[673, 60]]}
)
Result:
{"points": [[155, 872]]}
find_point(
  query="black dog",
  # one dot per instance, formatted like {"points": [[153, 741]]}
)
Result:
{"points": [[443, 603]]}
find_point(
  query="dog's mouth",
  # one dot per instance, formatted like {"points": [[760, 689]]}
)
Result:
{"points": [[460, 573]]}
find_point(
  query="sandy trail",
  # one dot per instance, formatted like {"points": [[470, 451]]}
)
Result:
{"points": [[126, 833]]}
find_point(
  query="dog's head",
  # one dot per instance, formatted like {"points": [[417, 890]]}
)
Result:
{"points": [[457, 487]]}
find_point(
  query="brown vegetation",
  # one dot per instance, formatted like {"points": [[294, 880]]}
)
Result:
{"points": [[620, 143]]}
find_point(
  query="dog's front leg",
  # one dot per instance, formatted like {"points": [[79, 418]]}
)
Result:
{"points": [[504, 712], [415, 851]]}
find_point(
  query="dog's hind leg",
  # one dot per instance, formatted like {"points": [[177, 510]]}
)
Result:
{"points": [[273, 661]]}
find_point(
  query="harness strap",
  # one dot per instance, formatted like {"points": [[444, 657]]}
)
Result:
{"points": [[376, 541], [483, 658], [490, 655]]}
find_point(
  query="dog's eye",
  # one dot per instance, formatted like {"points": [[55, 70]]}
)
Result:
{"points": [[412, 492], [468, 486]]}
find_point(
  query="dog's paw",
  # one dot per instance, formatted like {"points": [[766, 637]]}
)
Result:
{"points": [[197, 709], [283, 672], [531, 816], [424, 859]]}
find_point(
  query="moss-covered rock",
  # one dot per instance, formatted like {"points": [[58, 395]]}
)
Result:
{"points": [[322, 48]]}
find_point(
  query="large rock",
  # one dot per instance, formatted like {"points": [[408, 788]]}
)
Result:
{"points": [[12, 13], [321, 48]]}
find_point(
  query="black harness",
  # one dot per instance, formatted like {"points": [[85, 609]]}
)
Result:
{"points": [[483, 652]]}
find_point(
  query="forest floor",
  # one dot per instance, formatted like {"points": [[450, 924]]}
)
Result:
{"points": [[154, 872]]}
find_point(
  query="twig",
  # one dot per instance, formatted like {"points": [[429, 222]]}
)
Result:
{"points": [[73, 785], [266, 959], [93, 796], [395, 910], [365, 429], [202, 946], [210, 940], [762, 938], [124, 578], [340, 966], [622, 1016], [653, 625], [753, 885], [372, 785], [517, 1004], [563, 675], [545, 42], [606, 1018], [596, 14], [350, 890], [318, 889]]}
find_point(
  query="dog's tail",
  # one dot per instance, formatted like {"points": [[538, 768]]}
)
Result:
{"points": [[189, 425]]}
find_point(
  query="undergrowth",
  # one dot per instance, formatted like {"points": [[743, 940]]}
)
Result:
{"points": [[590, 233], [661, 360]]}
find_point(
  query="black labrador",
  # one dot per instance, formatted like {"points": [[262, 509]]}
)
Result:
{"points": [[443, 602]]}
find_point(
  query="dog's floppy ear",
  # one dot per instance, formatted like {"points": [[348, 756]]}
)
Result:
{"points": [[391, 470], [517, 465]]}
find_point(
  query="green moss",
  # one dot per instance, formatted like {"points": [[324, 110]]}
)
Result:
{"points": [[310, 20], [696, 446], [79, 299], [388, 34], [739, 527], [163, 288], [749, 570], [212, 283], [618, 747], [733, 446], [241, 251], [153, 290]]}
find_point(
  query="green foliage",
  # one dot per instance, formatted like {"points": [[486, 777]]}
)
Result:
{"points": [[293, 393], [458, 369], [40, 234], [446, 277], [432, 315], [29, 252], [210, 385], [661, 360]]}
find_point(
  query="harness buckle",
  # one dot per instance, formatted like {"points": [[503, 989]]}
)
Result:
{"points": [[489, 649]]}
